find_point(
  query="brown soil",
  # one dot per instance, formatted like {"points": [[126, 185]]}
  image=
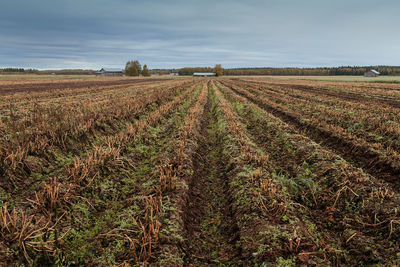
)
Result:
{"points": [[334, 224], [38, 87], [210, 227], [342, 95], [360, 156]]}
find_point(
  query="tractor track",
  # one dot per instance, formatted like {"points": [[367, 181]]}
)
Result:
{"points": [[210, 227]]}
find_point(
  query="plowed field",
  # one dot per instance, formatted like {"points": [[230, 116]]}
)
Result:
{"points": [[197, 172]]}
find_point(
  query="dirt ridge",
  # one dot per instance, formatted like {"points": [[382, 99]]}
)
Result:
{"points": [[210, 227], [342, 95], [38, 87], [359, 156]]}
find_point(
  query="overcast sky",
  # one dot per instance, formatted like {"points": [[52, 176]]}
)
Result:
{"points": [[176, 33]]}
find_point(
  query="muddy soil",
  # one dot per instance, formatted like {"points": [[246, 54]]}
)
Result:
{"points": [[210, 227], [377, 99], [38, 87], [359, 156]]}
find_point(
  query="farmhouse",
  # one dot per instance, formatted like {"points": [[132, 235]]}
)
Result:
{"points": [[371, 73], [204, 74], [110, 72]]}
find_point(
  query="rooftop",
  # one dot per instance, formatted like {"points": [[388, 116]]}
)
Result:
{"points": [[204, 73], [111, 70], [376, 72]]}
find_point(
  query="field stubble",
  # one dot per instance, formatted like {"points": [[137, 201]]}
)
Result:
{"points": [[199, 172]]}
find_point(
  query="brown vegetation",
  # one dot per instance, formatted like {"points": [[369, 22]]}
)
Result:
{"points": [[199, 172]]}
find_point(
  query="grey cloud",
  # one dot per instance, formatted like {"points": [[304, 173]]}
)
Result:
{"points": [[177, 33]]}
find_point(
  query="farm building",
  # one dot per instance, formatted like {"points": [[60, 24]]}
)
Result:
{"points": [[110, 72], [371, 73], [174, 74], [204, 74]]}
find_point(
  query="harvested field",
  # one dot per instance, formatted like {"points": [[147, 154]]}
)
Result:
{"points": [[195, 172], [12, 87]]}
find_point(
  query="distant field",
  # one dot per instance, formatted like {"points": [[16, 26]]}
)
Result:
{"points": [[381, 79], [35, 76], [12, 86], [232, 171], [384, 79], [72, 77]]}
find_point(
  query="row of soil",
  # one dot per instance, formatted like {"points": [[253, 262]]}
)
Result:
{"points": [[342, 212], [72, 95], [216, 200], [256, 207], [82, 165], [204, 177], [88, 105], [175, 178], [49, 133], [361, 156], [350, 96], [325, 100], [103, 212], [137, 198], [375, 127], [387, 91], [210, 228], [37, 87]]}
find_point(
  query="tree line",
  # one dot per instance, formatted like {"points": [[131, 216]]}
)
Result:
{"points": [[134, 68], [18, 70], [189, 71], [321, 71], [324, 71], [12, 70], [46, 72]]}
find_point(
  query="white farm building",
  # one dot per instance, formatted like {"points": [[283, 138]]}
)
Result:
{"points": [[204, 74], [371, 73], [110, 72]]}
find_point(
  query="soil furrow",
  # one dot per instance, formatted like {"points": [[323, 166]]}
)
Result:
{"points": [[360, 156], [263, 134], [211, 230], [37, 87], [342, 95]]}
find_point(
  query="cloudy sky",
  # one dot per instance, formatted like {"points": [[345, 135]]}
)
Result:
{"points": [[176, 33]]}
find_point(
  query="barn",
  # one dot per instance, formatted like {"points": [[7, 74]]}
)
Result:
{"points": [[204, 74], [110, 72], [371, 73]]}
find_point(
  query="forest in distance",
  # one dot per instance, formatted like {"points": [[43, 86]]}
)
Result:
{"points": [[318, 71]]}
